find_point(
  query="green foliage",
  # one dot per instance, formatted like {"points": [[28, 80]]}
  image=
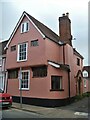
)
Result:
{"points": [[79, 97]]}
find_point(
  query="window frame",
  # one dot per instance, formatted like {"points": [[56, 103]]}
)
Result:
{"points": [[18, 56], [60, 85], [33, 43], [28, 80], [24, 27], [14, 73], [78, 61], [13, 48], [39, 72]]}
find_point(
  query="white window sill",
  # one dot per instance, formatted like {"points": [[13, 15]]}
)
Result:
{"points": [[21, 60], [24, 89], [24, 32]]}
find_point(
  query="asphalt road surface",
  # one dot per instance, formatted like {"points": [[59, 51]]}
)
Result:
{"points": [[75, 110], [15, 113]]}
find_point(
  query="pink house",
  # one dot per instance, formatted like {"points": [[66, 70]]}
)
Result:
{"points": [[42, 64]]}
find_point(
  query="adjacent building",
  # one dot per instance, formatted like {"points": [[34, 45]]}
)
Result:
{"points": [[3, 73], [42, 64], [86, 79]]}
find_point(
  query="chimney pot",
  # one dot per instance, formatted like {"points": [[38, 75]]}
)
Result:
{"points": [[67, 14], [63, 14]]}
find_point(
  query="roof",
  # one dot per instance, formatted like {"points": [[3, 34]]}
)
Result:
{"points": [[77, 53], [47, 32], [2, 46], [58, 65], [79, 73], [87, 68]]}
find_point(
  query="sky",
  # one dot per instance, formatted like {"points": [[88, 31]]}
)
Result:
{"points": [[48, 12]]}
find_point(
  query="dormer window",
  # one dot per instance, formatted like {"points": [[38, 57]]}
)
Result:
{"points": [[25, 27], [85, 73]]}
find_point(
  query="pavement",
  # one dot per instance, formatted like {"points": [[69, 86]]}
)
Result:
{"points": [[77, 109]]}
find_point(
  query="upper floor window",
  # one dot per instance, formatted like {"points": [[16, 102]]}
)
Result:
{"points": [[78, 61], [24, 27], [34, 43], [22, 52], [13, 48]]}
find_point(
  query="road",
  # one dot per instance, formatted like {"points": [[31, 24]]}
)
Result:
{"points": [[75, 110], [15, 113]]}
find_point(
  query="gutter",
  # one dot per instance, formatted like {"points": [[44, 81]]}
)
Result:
{"points": [[69, 84]]}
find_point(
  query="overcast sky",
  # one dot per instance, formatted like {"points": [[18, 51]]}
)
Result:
{"points": [[48, 12]]}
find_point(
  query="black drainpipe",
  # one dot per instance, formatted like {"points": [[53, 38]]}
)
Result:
{"points": [[69, 83]]}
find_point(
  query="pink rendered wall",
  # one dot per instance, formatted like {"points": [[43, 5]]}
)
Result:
{"points": [[87, 88], [40, 87], [36, 55], [54, 52], [70, 61], [89, 85]]}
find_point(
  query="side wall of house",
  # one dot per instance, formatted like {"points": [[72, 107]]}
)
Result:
{"points": [[69, 60]]}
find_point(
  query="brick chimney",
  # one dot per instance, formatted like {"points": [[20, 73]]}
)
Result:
{"points": [[65, 29]]}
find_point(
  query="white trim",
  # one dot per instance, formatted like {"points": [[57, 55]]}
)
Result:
{"points": [[54, 64], [28, 80], [15, 29], [85, 73], [24, 23], [18, 52]]}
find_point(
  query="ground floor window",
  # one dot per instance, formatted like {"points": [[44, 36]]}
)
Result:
{"points": [[13, 74], [25, 79], [85, 83], [2, 81], [56, 83], [40, 71]]}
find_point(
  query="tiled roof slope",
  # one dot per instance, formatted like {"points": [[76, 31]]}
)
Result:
{"points": [[45, 30], [2, 46], [77, 53]]}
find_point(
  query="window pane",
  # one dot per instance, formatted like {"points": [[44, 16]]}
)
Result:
{"points": [[12, 74], [22, 51], [34, 43], [39, 71], [25, 79], [56, 82], [27, 26], [78, 61], [22, 27], [13, 48]]}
